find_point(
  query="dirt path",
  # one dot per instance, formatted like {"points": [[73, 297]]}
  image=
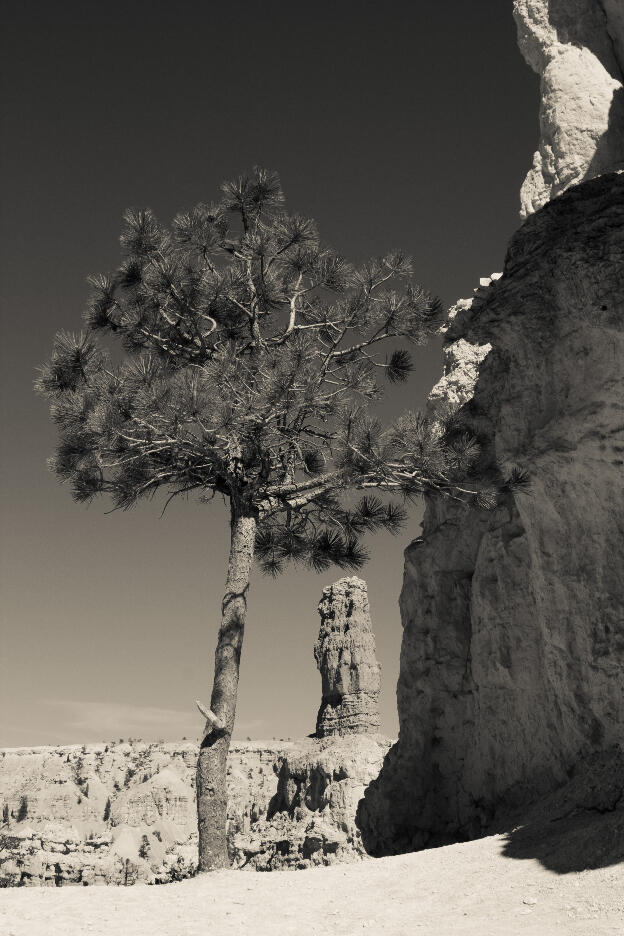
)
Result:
{"points": [[461, 889]]}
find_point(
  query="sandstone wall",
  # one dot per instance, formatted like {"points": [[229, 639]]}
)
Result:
{"points": [[122, 813], [577, 49], [512, 663]]}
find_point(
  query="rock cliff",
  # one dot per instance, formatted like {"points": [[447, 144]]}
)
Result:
{"points": [[122, 813], [512, 663], [311, 818], [345, 656], [577, 49]]}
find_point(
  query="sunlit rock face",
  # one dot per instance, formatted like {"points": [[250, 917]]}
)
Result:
{"points": [[115, 813], [310, 819], [345, 656], [577, 49], [512, 662], [125, 813]]}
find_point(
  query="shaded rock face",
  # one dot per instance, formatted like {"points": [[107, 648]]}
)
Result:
{"points": [[345, 656], [512, 662], [125, 813], [577, 49]]}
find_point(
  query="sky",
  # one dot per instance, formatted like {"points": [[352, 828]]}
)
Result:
{"points": [[399, 125]]}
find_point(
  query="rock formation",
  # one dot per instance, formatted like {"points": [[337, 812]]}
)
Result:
{"points": [[311, 818], [122, 813], [512, 663], [577, 49], [345, 656], [115, 813]]}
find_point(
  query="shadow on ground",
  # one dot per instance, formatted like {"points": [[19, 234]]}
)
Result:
{"points": [[577, 843], [578, 827], [581, 825]]}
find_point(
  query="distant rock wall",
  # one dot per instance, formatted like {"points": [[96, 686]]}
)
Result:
{"points": [[577, 49], [345, 656], [122, 813], [512, 662], [116, 813]]}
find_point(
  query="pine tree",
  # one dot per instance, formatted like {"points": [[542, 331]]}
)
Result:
{"points": [[252, 355]]}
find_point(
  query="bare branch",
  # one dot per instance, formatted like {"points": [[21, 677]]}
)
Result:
{"points": [[213, 723]]}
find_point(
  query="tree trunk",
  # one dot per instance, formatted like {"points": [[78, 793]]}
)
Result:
{"points": [[212, 763]]}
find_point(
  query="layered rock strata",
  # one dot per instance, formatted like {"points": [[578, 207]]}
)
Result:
{"points": [[512, 662], [122, 813], [577, 49], [345, 656]]}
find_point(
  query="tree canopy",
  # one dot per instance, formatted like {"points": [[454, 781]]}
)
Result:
{"points": [[253, 352]]}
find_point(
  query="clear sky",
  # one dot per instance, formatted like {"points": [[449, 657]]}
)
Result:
{"points": [[408, 124]]}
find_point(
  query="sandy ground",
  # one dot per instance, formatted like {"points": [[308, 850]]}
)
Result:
{"points": [[460, 889]]}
